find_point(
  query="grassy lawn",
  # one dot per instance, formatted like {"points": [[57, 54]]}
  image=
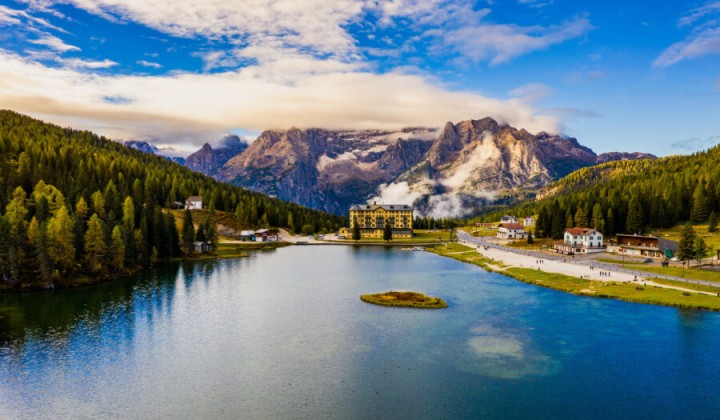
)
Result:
{"points": [[632, 292], [484, 232], [538, 244], [712, 239], [674, 270]]}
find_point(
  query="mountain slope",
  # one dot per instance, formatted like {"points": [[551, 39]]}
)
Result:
{"points": [[325, 169], [445, 172], [208, 160]]}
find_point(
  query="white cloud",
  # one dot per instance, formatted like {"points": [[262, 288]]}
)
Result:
{"points": [[500, 43], [398, 193], [276, 94], [313, 24], [704, 37], [702, 43], [54, 43], [150, 64], [88, 64]]}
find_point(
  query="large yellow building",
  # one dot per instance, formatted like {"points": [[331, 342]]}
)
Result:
{"points": [[371, 219]]}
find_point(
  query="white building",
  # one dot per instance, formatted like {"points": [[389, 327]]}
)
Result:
{"points": [[580, 241], [511, 231], [529, 221], [194, 203], [508, 219]]}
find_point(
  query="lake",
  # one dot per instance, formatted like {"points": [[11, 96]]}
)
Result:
{"points": [[283, 334]]}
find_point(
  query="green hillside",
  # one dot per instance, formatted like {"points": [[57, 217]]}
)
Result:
{"points": [[74, 204], [628, 196]]}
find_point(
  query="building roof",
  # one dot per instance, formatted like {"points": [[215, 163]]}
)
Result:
{"points": [[578, 231], [634, 235], [512, 226], [381, 206], [195, 198]]}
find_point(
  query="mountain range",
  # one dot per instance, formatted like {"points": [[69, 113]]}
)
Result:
{"points": [[445, 172]]}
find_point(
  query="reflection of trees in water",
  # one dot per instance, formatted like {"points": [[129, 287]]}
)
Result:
{"points": [[58, 314]]}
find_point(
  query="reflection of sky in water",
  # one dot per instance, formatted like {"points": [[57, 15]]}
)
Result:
{"points": [[285, 335]]}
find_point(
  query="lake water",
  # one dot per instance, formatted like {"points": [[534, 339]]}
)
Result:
{"points": [[283, 334]]}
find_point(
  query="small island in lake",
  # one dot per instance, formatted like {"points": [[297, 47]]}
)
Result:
{"points": [[404, 299]]}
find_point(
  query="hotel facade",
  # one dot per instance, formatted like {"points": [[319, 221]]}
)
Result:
{"points": [[371, 219]]}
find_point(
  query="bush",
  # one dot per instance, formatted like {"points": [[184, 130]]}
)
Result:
{"points": [[308, 229], [686, 293], [639, 288]]}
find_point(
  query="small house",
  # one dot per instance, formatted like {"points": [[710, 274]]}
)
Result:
{"points": [[194, 202], [529, 221], [646, 246], [580, 240], [266, 235], [511, 231], [201, 247], [508, 219]]}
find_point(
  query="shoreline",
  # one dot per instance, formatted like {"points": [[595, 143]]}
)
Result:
{"points": [[566, 277]]}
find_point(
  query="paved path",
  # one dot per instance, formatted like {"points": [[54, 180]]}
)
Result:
{"points": [[563, 264]]}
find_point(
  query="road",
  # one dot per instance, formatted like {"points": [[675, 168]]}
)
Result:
{"points": [[480, 241]]}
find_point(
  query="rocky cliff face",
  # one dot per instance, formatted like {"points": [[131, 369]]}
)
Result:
{"points": [[614, 156], [472, 162], [328, 170], [208, 160], [445, 172]]}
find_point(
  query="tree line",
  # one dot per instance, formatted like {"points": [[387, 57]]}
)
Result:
{"points": [[629, 196], [72, 202]]}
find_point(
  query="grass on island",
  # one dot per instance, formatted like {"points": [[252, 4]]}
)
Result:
{"points": [[631, 292], [673, 270], [404, 299]]}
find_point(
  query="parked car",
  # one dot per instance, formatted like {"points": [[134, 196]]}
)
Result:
{"points": [[342, 237], [648, 260]]}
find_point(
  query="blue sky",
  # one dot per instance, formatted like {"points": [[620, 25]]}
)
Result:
{"points": [[641, 76]]}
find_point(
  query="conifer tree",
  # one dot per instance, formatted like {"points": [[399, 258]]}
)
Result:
{"points": [[581, 219], [686, 245], [188, 232], [610, 223], [569, 222], [701, 249], [356, 230], [117, 249], [61, 239], [98, 204], [699, 210], [387, 232], [530, 238], [81, 208], [94, 243], [598, 222], [634, 220], [712, 223]]}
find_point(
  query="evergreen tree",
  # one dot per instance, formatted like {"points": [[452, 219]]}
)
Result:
{"points": [[569, 222], [387, 232], [94, 244], [188, 232], [598, 222], [42, 257], [712, 223], [172, 236], [581, 219], [117, 249], [541, 225], [610, 223], [699, 210], [61, 239], [530, 238], [81, 208], [128, 233], [290, 222], [558, 224], [634, 220], [98, 204], [355, 230], [701, 249], [686, 245]]}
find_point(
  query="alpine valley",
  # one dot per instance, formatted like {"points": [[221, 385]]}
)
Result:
{"points": [[445, 172]]}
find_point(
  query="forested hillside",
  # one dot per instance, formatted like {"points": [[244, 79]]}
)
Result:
{"points": [[629, 196], [73, 203]]}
